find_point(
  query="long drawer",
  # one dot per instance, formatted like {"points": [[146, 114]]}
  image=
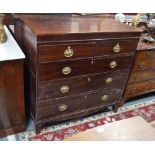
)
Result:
{"points": [[65, 105], [139, 88], [65, 69], [144, 64], [140, 76], [75, 85], [146, 54]]}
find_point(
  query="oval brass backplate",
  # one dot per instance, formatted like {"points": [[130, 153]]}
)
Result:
{"points": [[64, 89], [108, 80], [141, 65], [66, 70], [135, 76], [62, 107], [116, 48], [68, 52], [104, 98], [113, 64]]}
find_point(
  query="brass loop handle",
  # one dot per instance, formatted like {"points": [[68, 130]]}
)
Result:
{"points": [[116, 48], [68, 52], [141, 65], [62, 107], [104, 98], [149, 53], [64, 89], [113, 64], [108, 80], [135, 76], [66, 70]]}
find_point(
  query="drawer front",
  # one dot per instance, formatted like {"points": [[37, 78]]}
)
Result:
{"points": [[140, 76], [139, 88], [110, 80], [57, 70], [65, 105], [144, 64], [70, 86], [109, 47], [65, 51], [147, 54], [112, 64]]}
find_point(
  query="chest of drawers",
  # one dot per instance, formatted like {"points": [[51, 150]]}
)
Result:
{"points": [[75, 66], [142, 77]]}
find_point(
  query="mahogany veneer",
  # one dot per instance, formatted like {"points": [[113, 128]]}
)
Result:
{"points": [[142, 77], [51, 89], [75, 65], [50, 71], [12, 107], [12, 110]]}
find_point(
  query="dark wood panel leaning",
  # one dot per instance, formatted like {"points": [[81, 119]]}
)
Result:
{"points": [[12, 110], [77, 65]]}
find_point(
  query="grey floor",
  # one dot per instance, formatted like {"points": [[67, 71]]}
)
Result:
{"points": [[30, 126]]}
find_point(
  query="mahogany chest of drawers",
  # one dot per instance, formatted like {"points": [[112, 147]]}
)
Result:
{"points": [[142, 77], [75, 65]]}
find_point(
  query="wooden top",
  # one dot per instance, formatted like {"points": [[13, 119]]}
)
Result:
{"points": [[134, 128], [142, 45], [10, 49], [60, 25]]}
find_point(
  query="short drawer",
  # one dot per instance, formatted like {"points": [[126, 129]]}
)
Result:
{"points": [[57, 52], [65, 105], [65, 69], [147, 54], [112, 64], [144, 64], [140, 76], [75, 85], [110, 47], [57, 70], [136, 89]]}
